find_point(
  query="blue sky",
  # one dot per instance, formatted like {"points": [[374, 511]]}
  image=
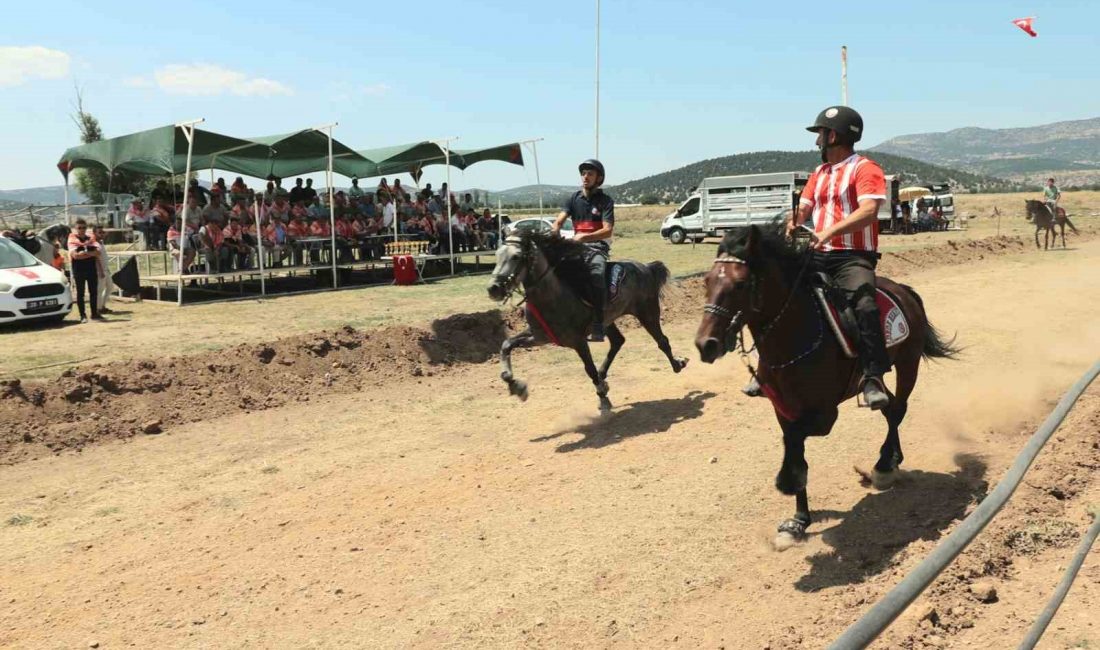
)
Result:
{"points": [[680, 81]]}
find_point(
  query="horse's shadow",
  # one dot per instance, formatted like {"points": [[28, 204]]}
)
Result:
{"points": [[921, 506], [637, 419]]}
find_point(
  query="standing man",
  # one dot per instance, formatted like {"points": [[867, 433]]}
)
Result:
{"points": [[593, 214], [843, 196], [86, 267], [1051, 196]]}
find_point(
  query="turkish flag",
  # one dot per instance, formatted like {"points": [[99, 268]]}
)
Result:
{"points": [[1025, 24]]}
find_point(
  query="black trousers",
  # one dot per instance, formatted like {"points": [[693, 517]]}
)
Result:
{"points": [[854, 273], [86, 276], [597, 277]]}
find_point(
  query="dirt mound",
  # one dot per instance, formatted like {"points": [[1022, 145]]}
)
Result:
{"points": [[120, 400]]}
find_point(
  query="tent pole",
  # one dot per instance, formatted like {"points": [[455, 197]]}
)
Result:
{"points": [[260, 247], [189, 133], [68, 217], [538, 178], [450, 227], [331, 197]]}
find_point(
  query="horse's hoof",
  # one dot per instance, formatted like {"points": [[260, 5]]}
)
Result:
{"points": [[883, 480], [605, 406], [519, 389], [681, 363], [784, 541], [791, 532]]}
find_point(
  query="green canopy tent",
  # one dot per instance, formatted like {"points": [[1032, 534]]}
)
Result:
{"points": [[163, 150], [411, 158]]}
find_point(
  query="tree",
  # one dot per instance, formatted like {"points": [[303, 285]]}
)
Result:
{"points": [[94, 182]]}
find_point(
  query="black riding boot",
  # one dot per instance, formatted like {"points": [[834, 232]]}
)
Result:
{"points": [[874, 358], [597, 269]]}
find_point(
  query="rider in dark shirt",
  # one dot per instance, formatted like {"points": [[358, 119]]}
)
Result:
{"points": [[593, 215]]}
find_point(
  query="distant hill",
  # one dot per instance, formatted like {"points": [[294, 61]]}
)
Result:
{"points": [[1024, 155], [673, 186], [528, 196], [51, 195]]}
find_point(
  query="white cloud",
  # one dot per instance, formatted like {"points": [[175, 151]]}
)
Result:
{"points": [[376, 90], [138, 82], [21, 64], [209, 80]]}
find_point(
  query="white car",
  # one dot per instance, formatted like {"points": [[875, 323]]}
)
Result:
{"points": [[540, 224], [30, 289]]}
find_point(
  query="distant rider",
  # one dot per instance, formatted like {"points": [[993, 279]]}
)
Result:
{"points": [[593, 215], [1051, 196]]}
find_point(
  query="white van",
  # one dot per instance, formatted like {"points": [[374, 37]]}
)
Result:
{"points": [[724, 202]]}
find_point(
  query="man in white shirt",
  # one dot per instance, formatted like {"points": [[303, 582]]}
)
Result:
{"points": [[389, 212]]}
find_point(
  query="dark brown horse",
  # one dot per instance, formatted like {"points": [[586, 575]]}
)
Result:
{"points": [[1039, 213], [761, 281]]}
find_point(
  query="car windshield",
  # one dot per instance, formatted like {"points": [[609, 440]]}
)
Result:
{"points": [[14, 256]]}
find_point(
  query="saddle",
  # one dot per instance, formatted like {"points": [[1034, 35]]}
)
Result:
{"points": [[841, 318]]}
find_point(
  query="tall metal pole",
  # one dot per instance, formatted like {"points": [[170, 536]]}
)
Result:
{"points": [[189, 133], [327, 129], [446, 144], [597, 78], [844, 75], [260, 246]]}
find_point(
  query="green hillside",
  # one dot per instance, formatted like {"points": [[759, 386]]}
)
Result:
{"points": [[673, 186]]}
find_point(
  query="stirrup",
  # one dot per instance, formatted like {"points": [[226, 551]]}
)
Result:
{"points": [[874, 393], [753, 388]]}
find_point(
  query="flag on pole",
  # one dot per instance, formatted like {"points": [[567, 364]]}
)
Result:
{"points": [[1025, 24]]}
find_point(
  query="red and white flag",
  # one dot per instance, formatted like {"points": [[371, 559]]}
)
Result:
{"points": [[1025, 24]]}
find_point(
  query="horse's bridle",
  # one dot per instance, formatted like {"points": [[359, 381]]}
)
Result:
{"points": [[732, 336], [525, 256]]}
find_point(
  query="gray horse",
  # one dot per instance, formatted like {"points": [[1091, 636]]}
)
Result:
{"points": [[553, 275]]}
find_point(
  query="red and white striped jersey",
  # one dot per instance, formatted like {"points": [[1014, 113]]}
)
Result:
{"points": [[834, 192]]}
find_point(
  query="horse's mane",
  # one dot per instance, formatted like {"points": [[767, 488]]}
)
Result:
{"points": [[770, 243], [565, 256]]}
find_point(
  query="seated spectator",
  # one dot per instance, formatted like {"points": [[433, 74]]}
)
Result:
{"points": [[467, 204], [299, 210], [241, 210], [280, 210], [367, 207], [319, 228], [295, 231], [138, 219], [384, 186], [269, 191], [216, 210], [345, 237], [220, 186], [160, 220], [458, 230], [192, 213], [317, 210], [239, 246], [188, 247], [161, 193], [214, 248], [488, 227], [276, 241]]}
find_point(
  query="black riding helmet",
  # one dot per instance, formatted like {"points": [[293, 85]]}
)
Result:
{"points": [[847, 123], [592, 163]]}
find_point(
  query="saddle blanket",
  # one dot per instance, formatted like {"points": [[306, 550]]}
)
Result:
{"points": [[894, 325]]}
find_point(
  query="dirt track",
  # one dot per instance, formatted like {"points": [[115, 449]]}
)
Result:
{"points": [[412, 503]]}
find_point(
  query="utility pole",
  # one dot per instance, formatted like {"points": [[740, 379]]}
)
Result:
{"points": [[844, 75]]}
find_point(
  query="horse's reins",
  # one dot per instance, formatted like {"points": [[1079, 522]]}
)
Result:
{"points": [[527, 289], [736, 324]]}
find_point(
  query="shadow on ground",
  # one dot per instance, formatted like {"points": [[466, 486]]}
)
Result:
{"points": [[920, 506], [637, 419]]}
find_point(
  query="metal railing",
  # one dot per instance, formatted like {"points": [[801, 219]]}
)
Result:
{"points": [[878, 618]]}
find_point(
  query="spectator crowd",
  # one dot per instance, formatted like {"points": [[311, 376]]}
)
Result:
{"points": [[219, 223]]}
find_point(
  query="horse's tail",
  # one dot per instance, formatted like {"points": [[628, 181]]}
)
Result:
{"points": [[1071, 226], [935, 347], [660, 275]]}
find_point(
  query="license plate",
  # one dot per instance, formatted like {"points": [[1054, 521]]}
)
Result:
{"points": [[35, 304]]}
